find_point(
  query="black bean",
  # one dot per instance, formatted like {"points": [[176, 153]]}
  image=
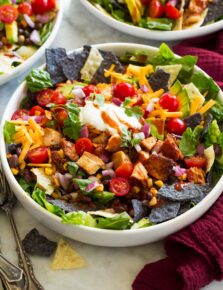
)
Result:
{"points": [[12, 148], [13, 161]]}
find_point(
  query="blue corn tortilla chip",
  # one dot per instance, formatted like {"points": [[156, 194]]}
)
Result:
{"points": [[36, 244], [159, 80], [69, 207], [215, 11], [207, 122], [53, 64], [140, 210], [168, 210], [189, 191], [193, 120], [184, 207]]}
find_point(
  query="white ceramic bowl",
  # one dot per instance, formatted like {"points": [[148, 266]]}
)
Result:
{"points": [[38, 54], [152, 34], [101, 237]]}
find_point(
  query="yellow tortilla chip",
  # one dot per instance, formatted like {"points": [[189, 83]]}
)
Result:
{"points": [[66, 258]]}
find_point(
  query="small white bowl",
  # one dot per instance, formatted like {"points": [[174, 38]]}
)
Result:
{"points": [[152, 34], [102, 237], [40, 51]]}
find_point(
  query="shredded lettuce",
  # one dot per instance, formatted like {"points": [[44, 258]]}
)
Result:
{"points": [[119, 222], [143, 223], [9, 131], [79, 218]]}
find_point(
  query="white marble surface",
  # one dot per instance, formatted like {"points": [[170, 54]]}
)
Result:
{"points": [[107, 268]]}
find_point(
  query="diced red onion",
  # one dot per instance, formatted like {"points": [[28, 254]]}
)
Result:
{"points": [[29, 21], [64, 179], [105, 157], [91, 186], [179, 171], [116, 101], [42, 18], [84, 132], [150, 106], [109, 165], [13, 1], [139, 135], [177, 136], [138, 148], [144, 88], [108, 172], [146, 130], [78, 92], [200, 149], [35, 37]]}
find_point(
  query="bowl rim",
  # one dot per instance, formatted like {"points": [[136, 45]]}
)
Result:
{"points": [[17, 97], [149, 33], [39, 52]]}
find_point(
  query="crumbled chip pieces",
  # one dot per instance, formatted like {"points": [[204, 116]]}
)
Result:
{"points": [[140, 210], [167, 211], [188, 192], [53, 64], [193, 120], [36, 244], [159, 80], [66, 258]]}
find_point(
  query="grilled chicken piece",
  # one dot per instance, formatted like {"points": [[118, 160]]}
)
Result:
{"points": [[69, 149], [196, 175], [118, 158], [157, 147], [170, 148], [102, 139], [90, 163], [114, 143], [143, 156], [148, 143], [139, 174], [159, 166], [51, 137]]}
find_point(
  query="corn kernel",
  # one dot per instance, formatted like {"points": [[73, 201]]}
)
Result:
{"points": [[55, 181], [22, 165], [14, 171], [159, 183], [100, 187], [61, 153], [149, 182], [153, 191], [48, 171], [153, 201], [136, 189], [65, 166], [99, 176]]}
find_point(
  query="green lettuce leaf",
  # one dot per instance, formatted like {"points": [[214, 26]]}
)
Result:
{"points": [[189, 142], [26, 186], [79, 218], [143, 223], [103, 197], [217, 111], [154, 131], [212, 135], [9, 131], [72, 167], [119, 222], [45, 32], [82, 183], [156, 23], [38, 80], [72, 125]]}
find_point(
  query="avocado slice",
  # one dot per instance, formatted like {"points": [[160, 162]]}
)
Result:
{"points": [[11, 30], [173, 70], [194, 93], [182, 96]]}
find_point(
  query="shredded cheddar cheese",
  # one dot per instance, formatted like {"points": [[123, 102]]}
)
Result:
{"points": [[207, 106], [148, 96]]}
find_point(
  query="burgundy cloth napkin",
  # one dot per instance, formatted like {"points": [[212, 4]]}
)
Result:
{"points": [[194, 254]]}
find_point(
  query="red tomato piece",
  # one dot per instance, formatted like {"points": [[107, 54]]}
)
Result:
{"points": [[36, 111], [124, 170], [171, 11], [119, 186], [83, 144], [124, 90], [44, 97], [38, 155], [61, 116], [195, 161], [90, 89], [176, 126], [58, 98], [169, 101], [42, 6], [20, 114], [145, 2], [8, 13], [155, 9], [25, 8]]}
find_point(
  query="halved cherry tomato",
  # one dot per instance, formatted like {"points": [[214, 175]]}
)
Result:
{"points": [[155, 9], [119, 186], [137, 98], [25, 8], [36, 111], [8, 13], [124, 90], [176, 126], [44, 97], [90, 89], [124, 170], [169, 101], [83, 144], [38, 155], [171, 11], [196, 161], [58, 98], [61, 116], [42, 6], [20, 114]]}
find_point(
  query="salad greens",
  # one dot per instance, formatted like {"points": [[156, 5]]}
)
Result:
{"points": [[38, 80]]}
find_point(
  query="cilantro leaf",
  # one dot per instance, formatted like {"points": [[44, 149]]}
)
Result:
{"points": [[136, 112], [127, 140]]}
